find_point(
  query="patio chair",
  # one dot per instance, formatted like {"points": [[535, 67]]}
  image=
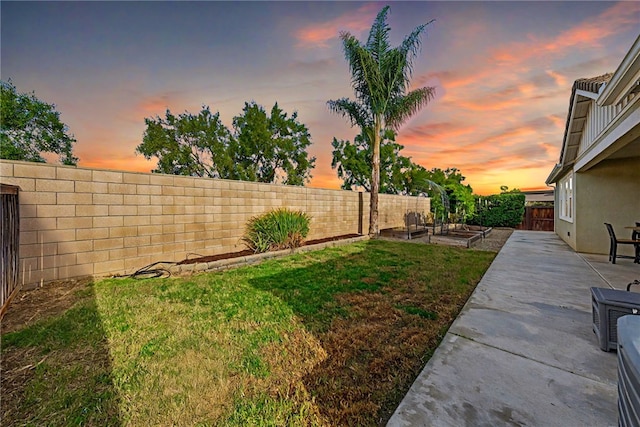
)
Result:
{"points": [[613, 249], [636, 236]]}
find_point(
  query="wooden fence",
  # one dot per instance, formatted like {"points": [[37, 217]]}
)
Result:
{"points": [[537, 218], [9, 259]]}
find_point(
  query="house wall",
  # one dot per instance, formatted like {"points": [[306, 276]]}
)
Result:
{"points": [[566, 230], [608, 192], [78, 221]]}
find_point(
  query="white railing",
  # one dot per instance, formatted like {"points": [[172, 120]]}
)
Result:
{"points": [[598, 120]]}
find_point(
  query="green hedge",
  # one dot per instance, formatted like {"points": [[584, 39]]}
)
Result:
{"points": [[499, 210], [278, 229]]}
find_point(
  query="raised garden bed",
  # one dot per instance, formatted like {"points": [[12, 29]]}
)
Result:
{"points": [[456, 235], [463, 237]]}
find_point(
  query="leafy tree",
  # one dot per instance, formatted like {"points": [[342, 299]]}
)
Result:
{"points": [[187, 144], [505, 189], [261, 148], [380, 78], [500, 210], [399, 175], [30, 127], [271, 148], [353, 164], [461, 199]]}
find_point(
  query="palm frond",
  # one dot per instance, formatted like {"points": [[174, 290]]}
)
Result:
{"points": [[411, 44], [378, 41], [394, 65], [401, 108], [354, 111], [365, 73]]}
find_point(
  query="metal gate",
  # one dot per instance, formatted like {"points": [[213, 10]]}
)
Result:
{"points": [[9, 258]]}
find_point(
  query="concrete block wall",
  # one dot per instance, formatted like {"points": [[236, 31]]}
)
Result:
{"points": [[78, 221]]}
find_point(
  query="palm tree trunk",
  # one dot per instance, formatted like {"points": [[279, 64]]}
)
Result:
{"points": [[375, 179]]}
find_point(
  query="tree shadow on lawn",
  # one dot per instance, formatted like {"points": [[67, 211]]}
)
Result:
{"points": [[379, 318], [56, 368]]}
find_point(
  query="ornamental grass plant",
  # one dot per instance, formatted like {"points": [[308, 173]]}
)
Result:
{"points": [[278, 229]]}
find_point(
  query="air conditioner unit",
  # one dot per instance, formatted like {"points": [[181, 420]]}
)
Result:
{"points": [[608, 305], [629, 371]]}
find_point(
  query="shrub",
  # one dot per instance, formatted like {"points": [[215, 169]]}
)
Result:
{"points": [[499, 210], [278, 229]]}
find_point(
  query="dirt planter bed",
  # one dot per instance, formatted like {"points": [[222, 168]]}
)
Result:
{"points": [[246, 257], [461, 237]]}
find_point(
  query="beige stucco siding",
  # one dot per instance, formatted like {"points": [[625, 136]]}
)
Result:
{"points": [[608, 192], [566, 230]]}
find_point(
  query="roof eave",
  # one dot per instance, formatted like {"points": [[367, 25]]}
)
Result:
{"points": [[622, 81], [556, 173]]}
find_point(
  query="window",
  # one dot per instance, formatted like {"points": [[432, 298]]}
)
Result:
{"points": [[565, 198]]}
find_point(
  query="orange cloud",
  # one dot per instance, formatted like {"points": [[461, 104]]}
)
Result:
{"points": [[154, 105], [589, 34], [317, 35], [442, 131], [477, 152], [558, 121], [491, 103], [557, 77], [452, 79], [158, 104]]}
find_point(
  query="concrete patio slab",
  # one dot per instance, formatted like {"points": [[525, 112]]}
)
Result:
{"points": [[522, 351], [617, 275]]}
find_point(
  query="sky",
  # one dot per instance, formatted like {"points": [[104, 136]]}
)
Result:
{"points": [[502, 72]]}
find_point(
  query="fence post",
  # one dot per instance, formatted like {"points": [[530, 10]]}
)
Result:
{"points": [[360, 211]]}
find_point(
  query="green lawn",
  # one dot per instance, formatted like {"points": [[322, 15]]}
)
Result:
{"points": [[331, 337]]}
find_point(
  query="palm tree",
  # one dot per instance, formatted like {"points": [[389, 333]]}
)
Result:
{"points": [[380, 78]]}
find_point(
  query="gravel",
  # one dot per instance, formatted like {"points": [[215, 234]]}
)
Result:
{"points": [[494, 241]]}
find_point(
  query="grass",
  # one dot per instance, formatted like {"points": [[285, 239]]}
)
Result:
{"points": [[331, 337]]}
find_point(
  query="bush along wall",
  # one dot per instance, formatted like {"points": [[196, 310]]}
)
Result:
{"points": [[277, 229], [499, 210]]}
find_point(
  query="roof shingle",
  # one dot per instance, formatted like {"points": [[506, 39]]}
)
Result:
{"points": [[592, 84]]}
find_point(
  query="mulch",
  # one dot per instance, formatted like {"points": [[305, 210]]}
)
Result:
{"points": [[228, 255]]}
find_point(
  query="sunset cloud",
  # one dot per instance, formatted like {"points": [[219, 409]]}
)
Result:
{"points": [[502, 72], [155, 105], [589, 34], [318, 34], [509, 149], [502, 112]]}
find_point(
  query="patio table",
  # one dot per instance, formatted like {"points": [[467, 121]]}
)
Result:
{"points": [[635, 235]]}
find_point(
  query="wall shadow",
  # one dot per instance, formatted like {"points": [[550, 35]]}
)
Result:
{"points": [[56, 368], [375, 348]]}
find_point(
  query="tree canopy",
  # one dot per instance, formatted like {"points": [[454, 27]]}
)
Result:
{"points": [[462, 202], [352, 162], [500, 210], [30, 128], [263, 148], [400, 175], [271, 148], [380, 77]]}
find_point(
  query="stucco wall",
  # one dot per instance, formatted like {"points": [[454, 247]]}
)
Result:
{"points": [[566, 230], [77, 221], [608, 192]]}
